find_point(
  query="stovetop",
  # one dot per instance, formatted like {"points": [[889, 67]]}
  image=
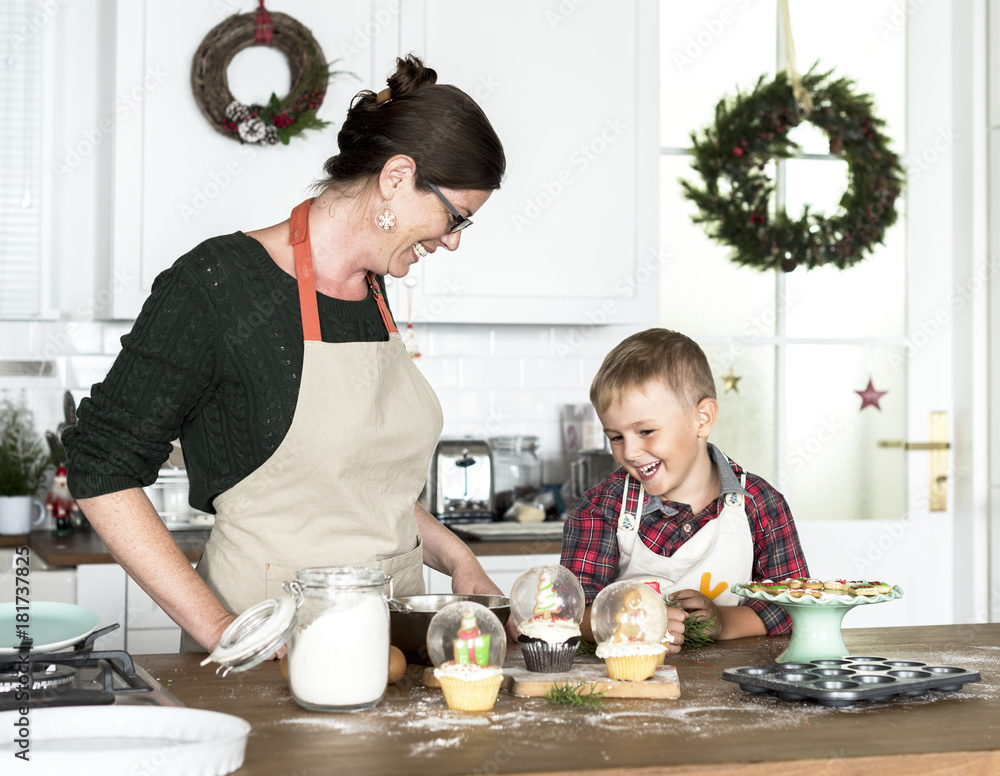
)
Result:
{"points": [[81, 676]]}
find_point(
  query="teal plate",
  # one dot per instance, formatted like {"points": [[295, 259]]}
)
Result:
{"points": [[52, 626], [816, 622]]}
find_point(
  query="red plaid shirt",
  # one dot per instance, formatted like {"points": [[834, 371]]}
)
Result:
{"points": [[590, 544]]}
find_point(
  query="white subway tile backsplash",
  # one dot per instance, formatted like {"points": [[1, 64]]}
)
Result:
{"points": [[522, 341], [15, 338], [489, 373], [56, 338], [111, 342], [84, 371], [491, 380], [441, 373], [454, 340], [550, 374]]}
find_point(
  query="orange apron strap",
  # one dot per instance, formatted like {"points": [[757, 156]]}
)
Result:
{"points": [[390, 324], [298, 238]]}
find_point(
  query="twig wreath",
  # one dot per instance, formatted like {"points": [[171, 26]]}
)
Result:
{"points": [[282, 118], [752, 129]]}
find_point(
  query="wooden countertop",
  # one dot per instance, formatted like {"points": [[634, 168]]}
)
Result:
{"points": [[713, 728], [83, 547]]}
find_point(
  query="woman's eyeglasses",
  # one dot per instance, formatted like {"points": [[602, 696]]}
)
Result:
{"points": [[460, 221]]}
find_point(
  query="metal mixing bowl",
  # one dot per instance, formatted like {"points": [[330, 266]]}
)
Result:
{"points": [[409, 629]]}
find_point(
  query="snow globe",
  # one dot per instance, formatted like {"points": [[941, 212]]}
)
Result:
{"points": [[629, 619], [547, 604], [467, 644]]}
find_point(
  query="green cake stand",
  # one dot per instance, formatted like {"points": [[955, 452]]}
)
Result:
{"points": [[816, 622]]}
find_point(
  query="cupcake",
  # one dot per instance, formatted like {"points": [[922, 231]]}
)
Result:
{"points": [[547, 604], [630, 622], [467, 644]]}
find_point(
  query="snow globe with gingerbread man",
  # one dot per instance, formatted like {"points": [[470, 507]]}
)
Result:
{"points": [[467, 644], [629, 620], [547, 604]]}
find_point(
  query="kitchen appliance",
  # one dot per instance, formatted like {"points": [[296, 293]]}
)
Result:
{"points": [[517, 471], [589, 468], [81, 676], [460, 481]]}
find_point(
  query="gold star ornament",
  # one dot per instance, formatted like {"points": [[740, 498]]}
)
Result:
{"points": [[731, 381]]}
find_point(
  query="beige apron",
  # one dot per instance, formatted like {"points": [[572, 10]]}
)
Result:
{"points": [[341, 487], [716, 557]]}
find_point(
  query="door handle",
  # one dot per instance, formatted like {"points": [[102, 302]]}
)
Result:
{"points": [[938, 447]]}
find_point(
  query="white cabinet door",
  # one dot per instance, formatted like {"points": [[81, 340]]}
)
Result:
{"points": [[572, 235], [176, 180], [502, 569], [101, 587]]}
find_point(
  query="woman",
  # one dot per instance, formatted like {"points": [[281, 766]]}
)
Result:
{"points": [[272, 355]]}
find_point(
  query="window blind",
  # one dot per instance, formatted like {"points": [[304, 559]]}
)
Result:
{"points": [[22, 24]]}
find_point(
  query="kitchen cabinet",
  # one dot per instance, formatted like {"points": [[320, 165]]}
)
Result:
{"points": [[572, 91], [570, 238], [145, 627], [502, 569]]}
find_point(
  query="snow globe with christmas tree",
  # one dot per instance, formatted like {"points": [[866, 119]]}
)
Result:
{"points": [[467, 644], [547, 604]]}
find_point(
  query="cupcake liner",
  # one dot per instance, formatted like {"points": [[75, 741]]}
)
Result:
{"points": [[475, 695], [545, 658], [632, 668]]}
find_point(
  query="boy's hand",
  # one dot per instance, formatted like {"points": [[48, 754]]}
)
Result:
{"points": [[675, 627], [696, 604]]}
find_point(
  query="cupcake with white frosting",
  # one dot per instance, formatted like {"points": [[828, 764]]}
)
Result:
{"points": [[630, 622], [547, 604]]}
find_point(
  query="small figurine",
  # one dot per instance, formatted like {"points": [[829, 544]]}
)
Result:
{"points": [[630, 618], [471, 646], [61, 505], [546, 600]]}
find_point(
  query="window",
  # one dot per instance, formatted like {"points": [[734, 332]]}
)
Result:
{"points": [[801, 342], [21, 28]]}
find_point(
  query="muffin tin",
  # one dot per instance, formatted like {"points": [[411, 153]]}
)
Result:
{"points": [[845, 681]]}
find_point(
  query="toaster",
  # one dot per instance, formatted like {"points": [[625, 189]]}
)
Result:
{"points": [[459, 485]]}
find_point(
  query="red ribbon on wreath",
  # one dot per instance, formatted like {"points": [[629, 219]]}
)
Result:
{"points": [[264, 32]]}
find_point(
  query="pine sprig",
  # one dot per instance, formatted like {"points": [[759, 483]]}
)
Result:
{"points": [[574, 695], [697, 629]]}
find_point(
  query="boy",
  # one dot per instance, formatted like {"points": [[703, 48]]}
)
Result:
{"points": [[691, 518]]}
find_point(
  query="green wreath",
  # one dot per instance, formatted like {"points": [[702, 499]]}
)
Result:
{"points": [[282, 118], [735, 202]]}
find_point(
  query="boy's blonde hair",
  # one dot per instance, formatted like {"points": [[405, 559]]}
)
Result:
{"points": [[654, 354]]}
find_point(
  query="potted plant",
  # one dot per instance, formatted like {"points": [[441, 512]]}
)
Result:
{"points": [[23, 466]]}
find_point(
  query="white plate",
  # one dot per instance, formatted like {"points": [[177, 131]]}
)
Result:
{"points": [[51, 625], [124, 741]]}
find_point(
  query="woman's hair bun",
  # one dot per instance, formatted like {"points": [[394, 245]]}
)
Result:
{"points": [[410, 75]]}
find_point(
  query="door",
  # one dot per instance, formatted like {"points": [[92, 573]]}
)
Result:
{"points": [[800, 348]]}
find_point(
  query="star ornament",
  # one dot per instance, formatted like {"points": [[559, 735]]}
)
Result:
{"points": [[870, 397], [731, 381]]}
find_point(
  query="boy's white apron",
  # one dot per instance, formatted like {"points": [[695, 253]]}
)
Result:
{"points": [[710, 561], [341, 487]]}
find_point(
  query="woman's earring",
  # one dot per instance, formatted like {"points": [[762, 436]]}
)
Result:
{"points": [[386, 219]]}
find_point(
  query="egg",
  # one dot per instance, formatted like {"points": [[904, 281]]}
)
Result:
{"points": [[397, 665], [283, 667]]}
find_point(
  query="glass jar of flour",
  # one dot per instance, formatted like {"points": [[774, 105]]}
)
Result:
{"points": [[335, 622]]}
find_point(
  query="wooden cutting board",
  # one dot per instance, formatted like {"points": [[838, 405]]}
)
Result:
{"points": [[520, 681]]}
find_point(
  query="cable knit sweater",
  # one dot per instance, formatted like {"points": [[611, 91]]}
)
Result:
{"points": [[214, 358]]}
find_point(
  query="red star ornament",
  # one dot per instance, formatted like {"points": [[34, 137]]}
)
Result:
{"points": [[870, 397]]}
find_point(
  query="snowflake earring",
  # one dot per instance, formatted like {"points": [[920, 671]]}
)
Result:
{"points": [[386, 219]]}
